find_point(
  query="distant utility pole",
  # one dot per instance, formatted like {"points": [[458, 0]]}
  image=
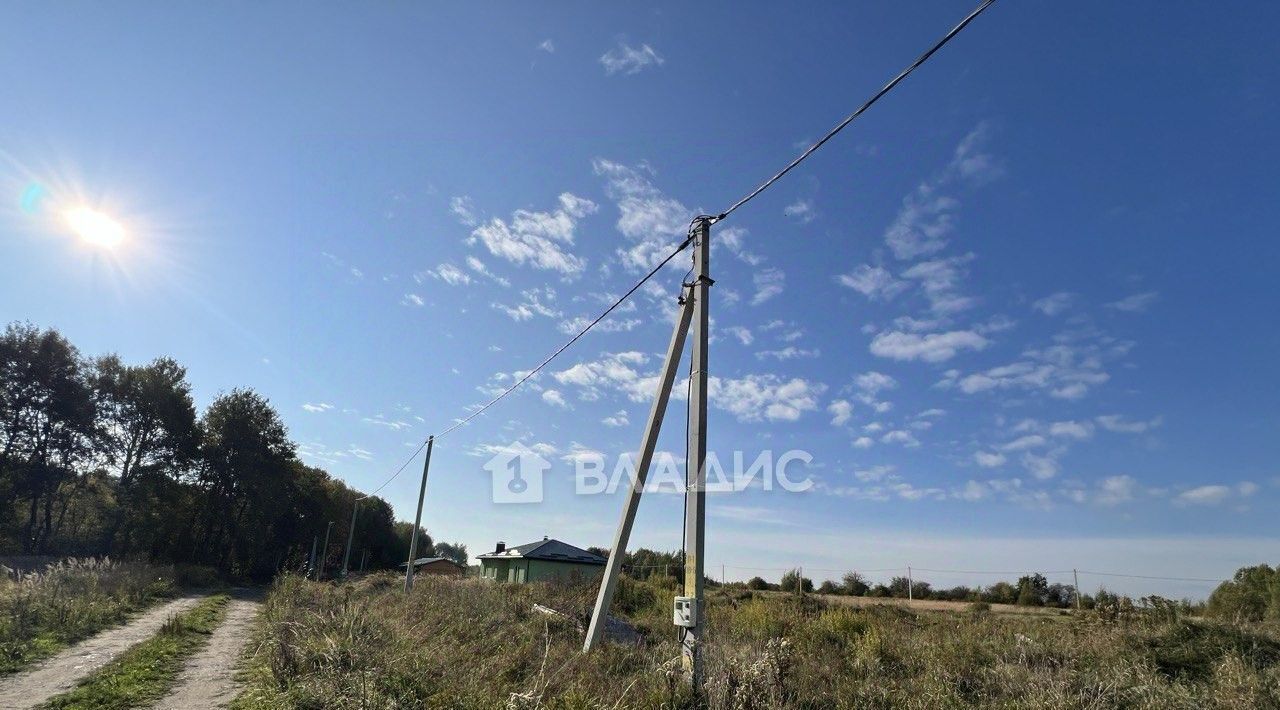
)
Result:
{"points": [[417, 519], [311, 568], [351, 538], [695, 507], [1076, 575], [325, 556], [609, 583], [911, 584], [364, 558]]}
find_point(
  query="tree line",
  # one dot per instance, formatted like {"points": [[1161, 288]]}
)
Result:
{"points": [[101, 457]]}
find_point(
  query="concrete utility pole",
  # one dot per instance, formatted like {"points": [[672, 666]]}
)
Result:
{"points": [[1076, 575], [351, 538], [911, 584], [695, 510], [417, 519], [320, 571], [311, 568], [609, 584]]}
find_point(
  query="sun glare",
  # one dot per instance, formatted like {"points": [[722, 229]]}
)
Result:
{"points": [[95, 227]]}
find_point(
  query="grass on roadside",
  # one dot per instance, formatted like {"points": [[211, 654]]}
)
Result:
{"points": [[43, 612], [145, 672]]}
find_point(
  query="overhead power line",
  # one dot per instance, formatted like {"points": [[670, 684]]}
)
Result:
{"points": [[1143, 576], [689, 238], [547, 361], [861, 109]]}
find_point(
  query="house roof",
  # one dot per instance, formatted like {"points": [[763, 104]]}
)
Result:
{"points": [[430, 560], [547, 549]]}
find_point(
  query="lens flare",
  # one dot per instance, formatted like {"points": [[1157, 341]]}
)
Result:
{"points": [[95, 227]]}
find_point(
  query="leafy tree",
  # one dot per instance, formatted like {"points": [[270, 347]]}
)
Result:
{"points": [[1252, 594], [854, 585], [757, 584], [793, 582], [455, 551], [829, 587], [147, 429], [1033, 590]]}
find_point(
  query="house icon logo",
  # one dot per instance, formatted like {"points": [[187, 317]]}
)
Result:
{"points": [[516, 473]]}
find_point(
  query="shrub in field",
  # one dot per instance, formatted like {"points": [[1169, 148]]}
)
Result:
{"points": [[43, 611], [1253, 594]]}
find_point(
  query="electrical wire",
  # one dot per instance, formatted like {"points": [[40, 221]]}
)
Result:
{"points": [[861, 109], [547, 361], [1143, 576]]}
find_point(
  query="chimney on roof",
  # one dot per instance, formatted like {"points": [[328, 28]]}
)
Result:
{"points": [[501, 547], [544, 538]]}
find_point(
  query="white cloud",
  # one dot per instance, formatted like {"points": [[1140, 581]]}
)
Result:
{"points": [[927, 218], [1071, 430], [874, 382], [874, 474], [536, 302], [1118, 424], [1116, 490], [732, 238], [1055, 303], [555, 398], [767, 397], [650, 219], [864, 442], [382, 421], [451, 275], [788, 353], [840, 411], [412, 299], [464, 210], [608, 325], [769, 283], [1137, 303], [934, 347], [1022, 443], [1066, 371], [618, 418], [318, 407], [626, 59], [1204, 495], [988, 460], [1246, 488], [479, 267], [801, 210], [874, 282], [940, 280], [900, 436], [743, 335], [547, 46], [1042, 467], [539, 239], [613, 371]]}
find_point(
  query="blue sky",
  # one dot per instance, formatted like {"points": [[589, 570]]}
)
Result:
{"points": [[1021, 313]]}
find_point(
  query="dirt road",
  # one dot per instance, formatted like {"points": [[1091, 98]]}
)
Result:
{"points": [[59, 674], [209, 681]]}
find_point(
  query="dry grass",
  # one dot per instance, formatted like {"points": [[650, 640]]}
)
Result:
{"points": [[471, 644], [43, 611]]}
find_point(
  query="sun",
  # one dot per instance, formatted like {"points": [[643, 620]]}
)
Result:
{"points": [[94, 227]]}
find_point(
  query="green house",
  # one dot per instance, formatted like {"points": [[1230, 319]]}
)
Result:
{"points": [[540, 561]]}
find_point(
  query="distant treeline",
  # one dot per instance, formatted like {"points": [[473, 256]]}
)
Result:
{"points": [[100, 457]]}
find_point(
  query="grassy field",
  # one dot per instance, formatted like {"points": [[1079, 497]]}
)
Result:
{"points": [[469, 644], [43, 611], [143, 674]]}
